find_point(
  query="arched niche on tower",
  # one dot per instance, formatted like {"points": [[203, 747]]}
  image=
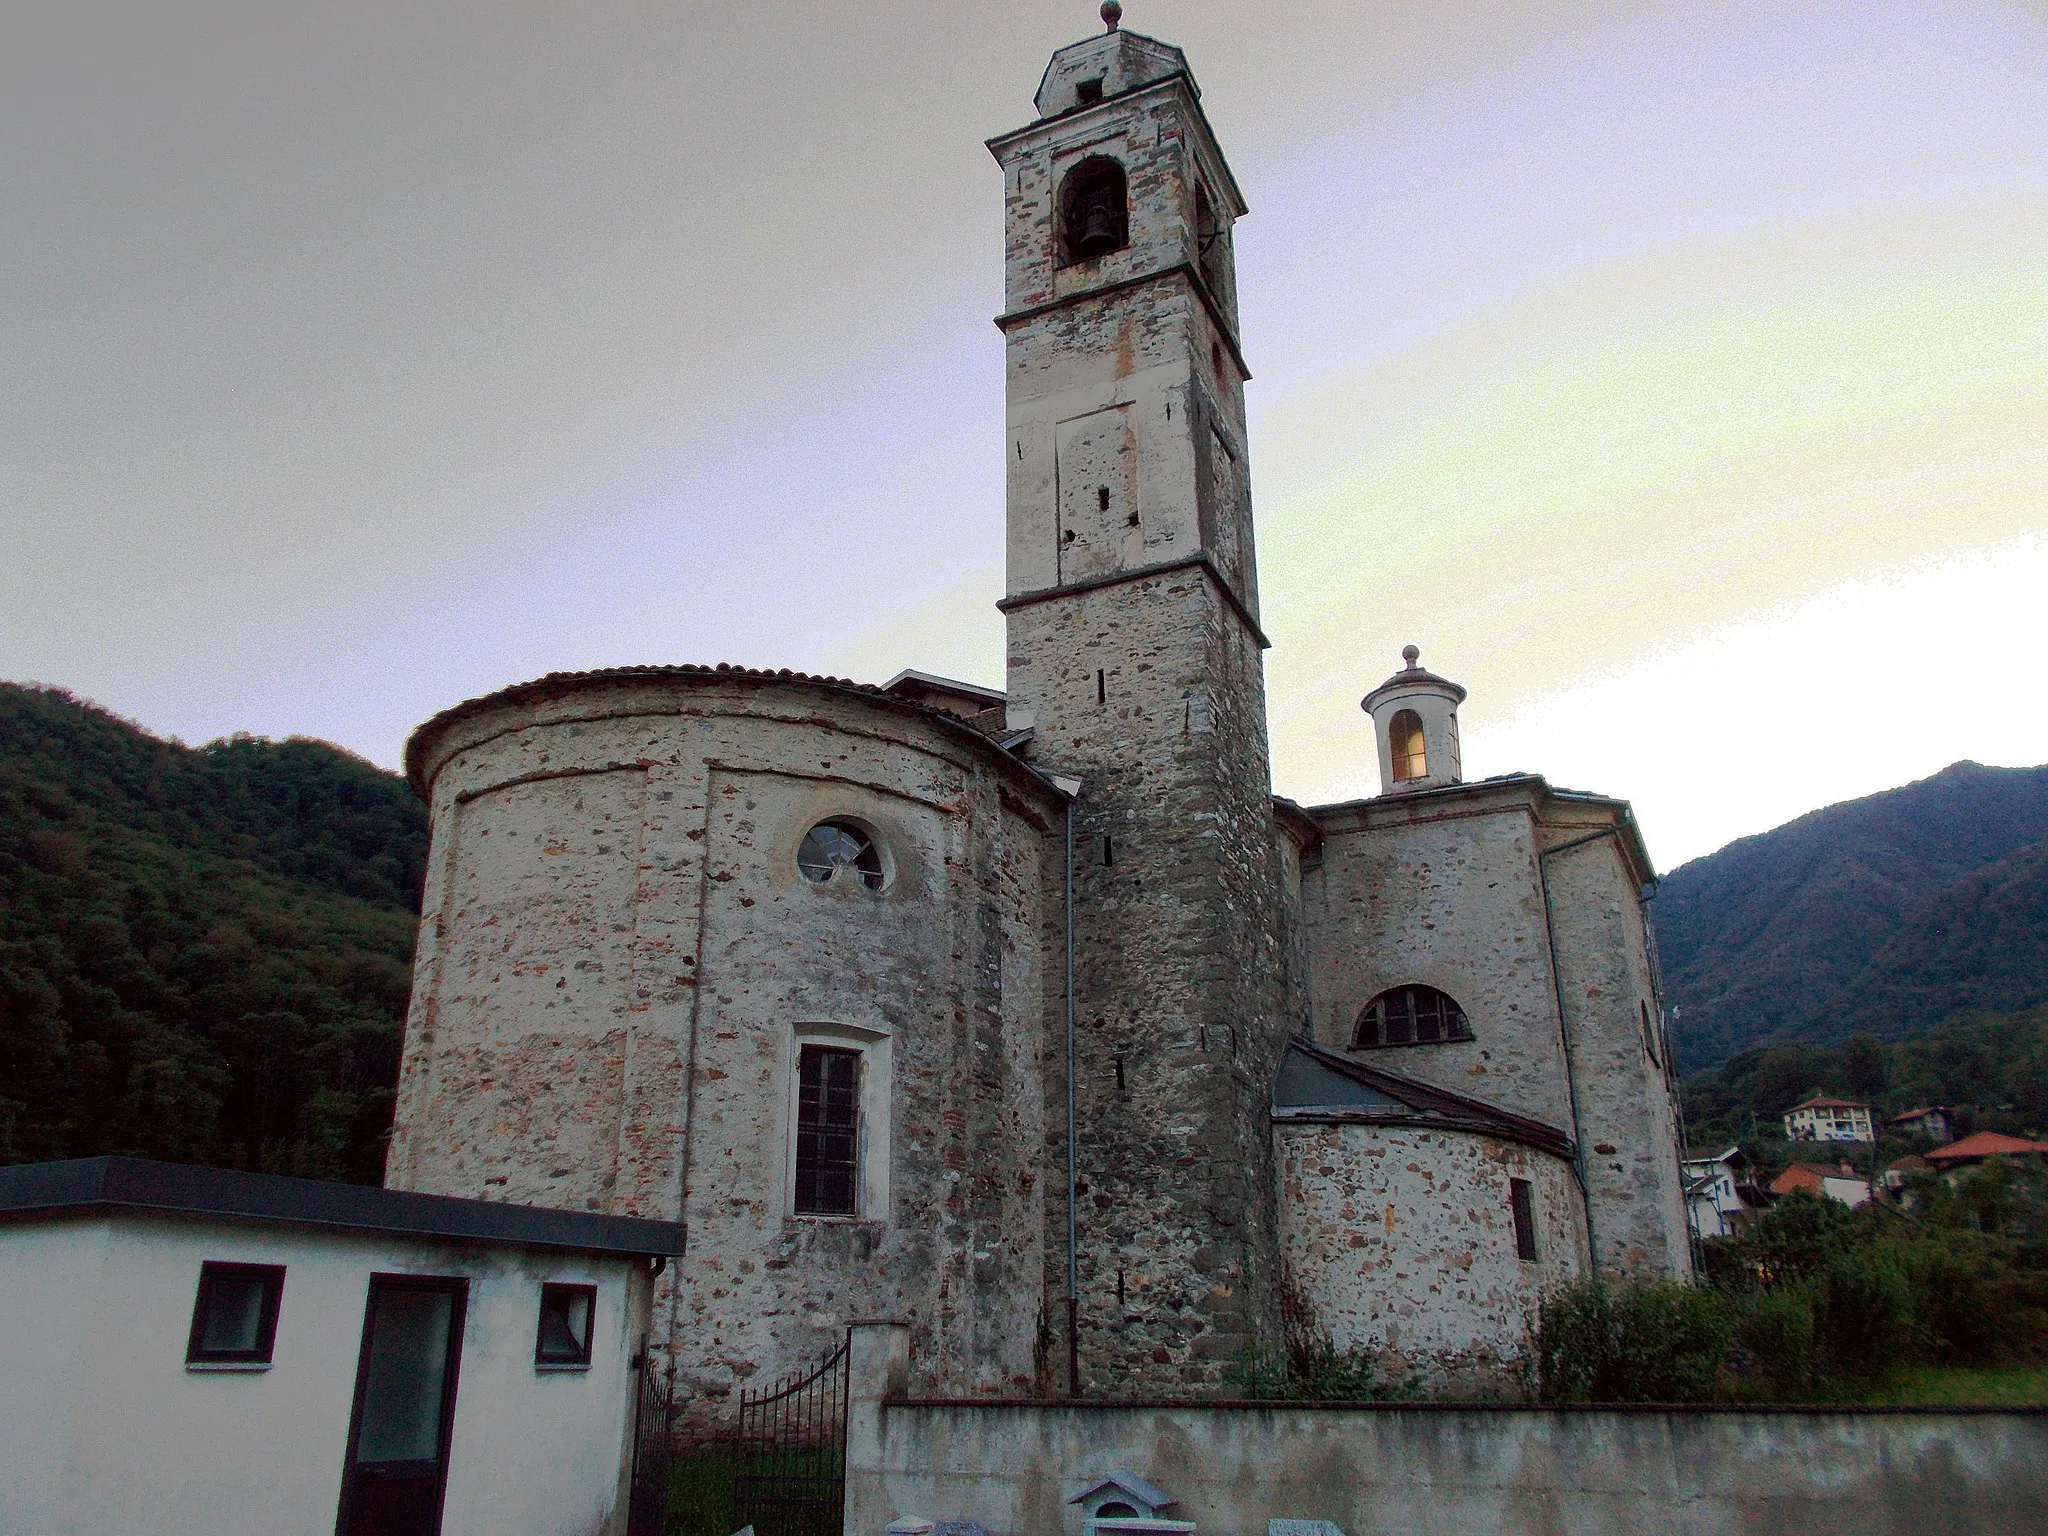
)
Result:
{"points": [[1095, 210]]}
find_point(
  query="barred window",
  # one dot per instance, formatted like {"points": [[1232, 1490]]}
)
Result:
{"points": [[1410, 1016], [1522, 1205], [827, 1131]]}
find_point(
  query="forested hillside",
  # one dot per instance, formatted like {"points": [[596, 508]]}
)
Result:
{"points": [[205, 953], [1888, 914], [1991, 1068]]}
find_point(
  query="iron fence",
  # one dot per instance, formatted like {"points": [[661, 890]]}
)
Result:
{"points": [[789, 1462]]}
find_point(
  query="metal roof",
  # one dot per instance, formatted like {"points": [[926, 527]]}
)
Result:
{"points": [[1319, 1086], [138, 1186]]}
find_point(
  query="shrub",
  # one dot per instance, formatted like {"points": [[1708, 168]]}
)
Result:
{"points": [[1863, 1312], [1774, 1339], [1645, 1341]]}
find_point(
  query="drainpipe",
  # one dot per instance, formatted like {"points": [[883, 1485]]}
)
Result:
{"points": [[1564, 1035], [1694, 1245], [1073, 1199]]}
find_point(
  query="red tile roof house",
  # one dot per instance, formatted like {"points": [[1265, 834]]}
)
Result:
{"points": [[1974, 1149], [1929, 1120], [1829, 1183]]}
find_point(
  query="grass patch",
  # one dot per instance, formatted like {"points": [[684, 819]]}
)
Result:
{"points": [[1957, 1386], [700, 1494]]}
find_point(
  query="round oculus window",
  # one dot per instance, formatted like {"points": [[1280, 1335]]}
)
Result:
{"points": [[832, 846]]}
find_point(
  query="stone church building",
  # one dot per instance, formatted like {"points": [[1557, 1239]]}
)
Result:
{"points": [[1033, 1018]]}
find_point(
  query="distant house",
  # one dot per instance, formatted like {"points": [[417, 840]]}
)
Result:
{"points": [[1720, 1192], [187, 1351], [1896, 1174], [1823, 1119], [1929, 1120], [1839, 1183], [1975, 1149]]}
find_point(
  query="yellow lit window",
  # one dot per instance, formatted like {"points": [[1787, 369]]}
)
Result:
{"points": [[1410, 761]]}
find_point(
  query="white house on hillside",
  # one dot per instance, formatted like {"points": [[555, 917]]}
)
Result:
{"points": [[1822, 1119], [1721, 1195]]}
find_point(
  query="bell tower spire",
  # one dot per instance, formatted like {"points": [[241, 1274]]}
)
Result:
{"points": [[1135, 659]]}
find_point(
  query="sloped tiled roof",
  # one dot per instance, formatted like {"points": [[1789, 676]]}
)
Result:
{"points": [[1826, 1103], [1320, 1086], [1810, 1177], [1985, 1144], [565, 682]]}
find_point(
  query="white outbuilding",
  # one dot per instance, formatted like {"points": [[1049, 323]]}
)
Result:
{"points": [[190, 1350]]}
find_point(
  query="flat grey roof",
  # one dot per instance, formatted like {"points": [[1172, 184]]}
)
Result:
{"points": [[136, 1185]]}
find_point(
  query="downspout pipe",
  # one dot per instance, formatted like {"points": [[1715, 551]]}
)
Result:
{"points": [[1694, 1244], [1564, 1035], [1070, 791], [1073, 1198]]}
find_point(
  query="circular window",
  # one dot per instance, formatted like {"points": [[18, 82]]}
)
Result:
{"points": [[832, 846]]}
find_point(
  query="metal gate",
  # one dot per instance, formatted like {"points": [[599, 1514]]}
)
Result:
{"points": [[789, 1463], [653, 1443]]}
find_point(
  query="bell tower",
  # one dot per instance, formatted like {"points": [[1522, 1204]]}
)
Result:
{"points": [[1135, 660]]}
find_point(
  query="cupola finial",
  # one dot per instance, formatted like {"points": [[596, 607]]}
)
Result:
{"points": [[1112, 13], [1412, 654]]}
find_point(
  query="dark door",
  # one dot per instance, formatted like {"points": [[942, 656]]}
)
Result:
{"points": [[405, 1407]]}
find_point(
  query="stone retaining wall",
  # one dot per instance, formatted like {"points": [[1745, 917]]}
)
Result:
{"points": [[1368, 1469]]}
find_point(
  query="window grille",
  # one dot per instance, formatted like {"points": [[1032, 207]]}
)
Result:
{"points": [[1410, 1016], [832, 846], [1522, 1202], [827, 1131]]}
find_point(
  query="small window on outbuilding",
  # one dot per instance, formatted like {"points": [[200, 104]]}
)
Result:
{"points": [[1522, 1203], [835, 847], [1404, 736], [827, 1131], [1410, 1016], [566, 1315], [234, 1318], [1094, 210]]}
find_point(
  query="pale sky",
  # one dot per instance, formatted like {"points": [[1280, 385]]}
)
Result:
{"points": [[1675, 374]]}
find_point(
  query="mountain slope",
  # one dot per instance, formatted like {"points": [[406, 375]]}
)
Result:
{"points": [[1981, 947], [205, 954], [1768, 932]]}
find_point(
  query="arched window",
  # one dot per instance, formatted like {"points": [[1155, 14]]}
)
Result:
{"points": [[1405, 736], [1094, 210], [1209, 251], [1410, 1016], [832, 846]]}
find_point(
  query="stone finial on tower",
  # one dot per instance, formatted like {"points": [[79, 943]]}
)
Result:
{"points": [[1415, 717], [1112, 13]]}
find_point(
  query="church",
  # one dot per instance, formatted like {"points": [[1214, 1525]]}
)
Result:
{"points": [[1032, 1018]]}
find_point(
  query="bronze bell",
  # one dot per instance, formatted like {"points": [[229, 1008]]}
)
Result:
{"points": [[1098, 232]]}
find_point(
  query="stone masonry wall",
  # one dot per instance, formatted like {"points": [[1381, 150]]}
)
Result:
{"points": [[1177, 965], [1444, 888], [1452, 902], [1403, 1240], [620, 959], [1628, 1110], [1135, 660]]}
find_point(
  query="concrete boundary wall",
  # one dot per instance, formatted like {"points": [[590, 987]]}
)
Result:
{"points": [[1011, 1466]]}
